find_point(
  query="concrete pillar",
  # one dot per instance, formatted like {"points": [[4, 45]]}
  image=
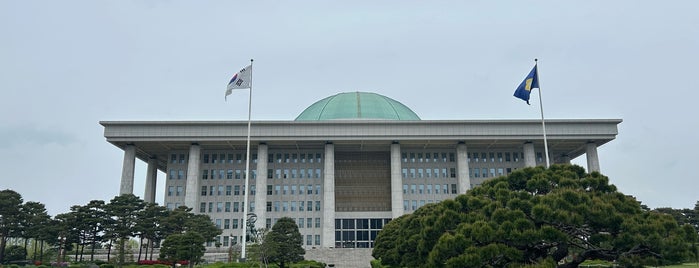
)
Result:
{"points": [[261, 186], [592, 159], [529, 157], [396, 182], [192, 189], [462, 168], [328, 239], [127, 170], [151, 180]]}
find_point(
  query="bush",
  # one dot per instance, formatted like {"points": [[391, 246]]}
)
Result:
{"points": [[107, 265], [307, 263], [15, 253]]}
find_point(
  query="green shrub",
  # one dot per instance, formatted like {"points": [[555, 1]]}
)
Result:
{"points": [[107, 265]]}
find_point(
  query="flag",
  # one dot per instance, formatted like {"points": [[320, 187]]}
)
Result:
{"points": [[530, 82], [241, 79]]}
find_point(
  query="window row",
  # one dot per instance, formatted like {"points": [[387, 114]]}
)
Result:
{"points": [[348, 224], [291, 189], [229, 223], [278, 206], [223, 158], [427, 189], [227, 190], [488, 172], [175, 191], [409, 205], [294, 158], [227, 174], [178, 174], [495, 157], [224, 207], [428, 157], [414, 173], [294, 173]]}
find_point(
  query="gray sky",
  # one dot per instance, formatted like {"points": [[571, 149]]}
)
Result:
{"points": [[66, 65]]}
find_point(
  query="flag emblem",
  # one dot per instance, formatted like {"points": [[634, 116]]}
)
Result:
{"points": [[530, 82], [240, 80]]}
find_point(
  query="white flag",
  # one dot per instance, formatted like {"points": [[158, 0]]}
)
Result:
{"points": [[240, 80]]}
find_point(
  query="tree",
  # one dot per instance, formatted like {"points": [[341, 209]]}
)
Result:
{"points": [[150, 225], [285, 242], [15, 253], [124, 211], [36, 220], [10, 218], [533, 216], [186, 246], [186, 234]]}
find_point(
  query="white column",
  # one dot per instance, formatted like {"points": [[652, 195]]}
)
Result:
{"points": [[462, 168], [529, 157], [151, 180], [592, 159], [261, 186], [192, 189], [127, 170], [396, 182], [328, 239]]}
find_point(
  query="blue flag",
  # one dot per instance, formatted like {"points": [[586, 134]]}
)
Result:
{"points": [[530, 82]]}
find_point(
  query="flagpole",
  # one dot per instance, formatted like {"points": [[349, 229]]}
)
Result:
{"points": [[541, 106], [247, 171]]}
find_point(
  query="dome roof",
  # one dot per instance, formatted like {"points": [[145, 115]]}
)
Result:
{"points": [[357, 105]]}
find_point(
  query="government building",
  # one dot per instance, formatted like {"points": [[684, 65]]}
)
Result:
{"points": [[347, 165]]}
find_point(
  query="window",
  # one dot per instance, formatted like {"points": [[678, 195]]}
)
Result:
{"points": [[309, 222], [211, 206], [310, 206], [499, 157], [317, 240], [235, 224], [310, 189], [429, 189], [173, 174], [317, 188], [412, 157], [285, 206], [270, 174], [302, 205], [414, 203], [451, 157], [221, 174], [277, 189], [180, 174], [453, 188], [229, 174], [228, 207], [309, 240], [269, 189], [220, 190], [421, 189], [412, 173], [236, 190], [202, 207], [180, 190], [171, 190], [475, 157], [419, 157], [173, 158], [437, 189], [293, 189], [302, 189], [276, 205], [219, 208], [420, 173], [236, 207], [484, 171], [317, 205], [218, 223], [413, 188], [293, 205], [404, 156], [269, 206], [206, 158], [318, 223], [406, 203], [228, 190], [300, 222], [205, 174], [270, 158], [286, 189], [253, 189], [404, 172], [428, 173], [405, 188], [237, 174], [452, 172], [492, 157], [476, 173], [214, 158]]}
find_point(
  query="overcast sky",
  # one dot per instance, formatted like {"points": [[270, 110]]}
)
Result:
{"points": [[66, 65]]}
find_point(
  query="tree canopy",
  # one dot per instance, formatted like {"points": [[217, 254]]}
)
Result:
{"points": [[534, 216], [284, 242]]}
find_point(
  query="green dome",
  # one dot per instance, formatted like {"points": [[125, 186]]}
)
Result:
{"points": [[357, 105]]}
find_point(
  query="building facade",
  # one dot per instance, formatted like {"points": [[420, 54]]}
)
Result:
{"points": [[345, 167]]}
